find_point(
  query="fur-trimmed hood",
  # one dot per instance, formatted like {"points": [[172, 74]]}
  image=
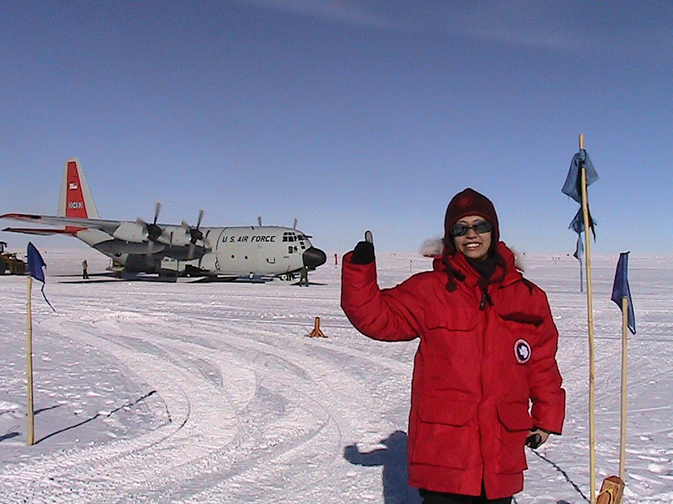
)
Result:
{"points": [[432, 247]]}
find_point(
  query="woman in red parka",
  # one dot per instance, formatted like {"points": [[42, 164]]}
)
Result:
{"points": [[485, 380]]}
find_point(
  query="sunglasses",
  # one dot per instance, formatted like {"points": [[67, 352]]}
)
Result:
{"points": [[479, 227]]}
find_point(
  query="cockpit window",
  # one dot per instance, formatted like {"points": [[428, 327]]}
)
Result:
{"points": [[289, 236]]}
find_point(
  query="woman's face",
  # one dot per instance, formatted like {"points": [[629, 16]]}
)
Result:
{"points": [[473, 244]]}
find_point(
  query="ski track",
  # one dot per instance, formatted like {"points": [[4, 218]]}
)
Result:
{"points": [[245, 408], [242, 411]]}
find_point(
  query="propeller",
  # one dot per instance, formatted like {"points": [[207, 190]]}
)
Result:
{"points": [[154, 231], [195, 234]]}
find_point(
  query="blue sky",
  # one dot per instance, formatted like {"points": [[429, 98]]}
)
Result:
{"points": [[347, 115]]}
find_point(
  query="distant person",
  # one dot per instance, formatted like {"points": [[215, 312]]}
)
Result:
{"points": [[85, 269], [485, 382], [303, 278]]}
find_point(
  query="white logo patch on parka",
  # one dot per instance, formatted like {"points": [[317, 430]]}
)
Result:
{"points": [[522, 351]]}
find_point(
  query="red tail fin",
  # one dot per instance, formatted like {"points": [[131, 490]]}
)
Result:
{"points": [[75, 205], [75, 199]]}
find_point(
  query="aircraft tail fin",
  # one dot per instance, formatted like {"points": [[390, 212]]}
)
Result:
{"points": [[75, 199]]}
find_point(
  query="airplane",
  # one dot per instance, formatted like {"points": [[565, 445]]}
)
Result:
{"points": [[225, 253]]}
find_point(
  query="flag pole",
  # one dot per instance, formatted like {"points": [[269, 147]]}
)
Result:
{"points": [[30, 433], [581, 275], [590, 323], [622, 440]]}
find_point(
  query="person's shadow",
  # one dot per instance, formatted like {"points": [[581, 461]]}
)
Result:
{"points": [[393, 458]]}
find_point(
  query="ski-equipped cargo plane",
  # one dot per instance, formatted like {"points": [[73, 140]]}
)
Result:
{"points": [[181, 250]]}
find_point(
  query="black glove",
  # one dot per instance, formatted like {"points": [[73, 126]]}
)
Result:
{"points": [[363, 253], [536, 437]]}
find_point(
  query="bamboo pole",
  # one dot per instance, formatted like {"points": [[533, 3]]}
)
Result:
{"points": [[590, 323], [30, 432], [622, 440]]}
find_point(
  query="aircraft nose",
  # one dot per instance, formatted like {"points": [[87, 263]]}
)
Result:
{"points": [[314, 257]]}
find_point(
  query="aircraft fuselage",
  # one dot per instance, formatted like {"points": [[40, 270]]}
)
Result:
{"points": [[234, 251]]}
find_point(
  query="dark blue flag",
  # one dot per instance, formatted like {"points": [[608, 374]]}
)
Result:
{"points": [[573, 184], [579, 249], [573, 188], [35, 268], [577, 224], [35, 263], [620, 289]]}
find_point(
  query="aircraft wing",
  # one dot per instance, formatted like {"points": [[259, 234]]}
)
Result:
{"points": [[122, 237], [37, 231], [108, 226]]}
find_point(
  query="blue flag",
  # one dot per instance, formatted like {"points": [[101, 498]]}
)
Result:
{"points": [[573, 187], [573, 184], [35, 263], [620, 289], [35, 268], [577, 224], [579, 249]]}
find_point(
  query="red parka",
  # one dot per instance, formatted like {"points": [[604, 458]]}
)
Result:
{"points": [[484, 374]]}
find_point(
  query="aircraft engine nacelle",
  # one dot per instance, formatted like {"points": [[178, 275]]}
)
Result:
{"points": [[131, 232], [176, 236]]}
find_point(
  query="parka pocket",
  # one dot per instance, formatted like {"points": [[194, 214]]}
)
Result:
{"points": [[517, 342], [515, 422], [448, 343], [445, 432], [440, 317]]}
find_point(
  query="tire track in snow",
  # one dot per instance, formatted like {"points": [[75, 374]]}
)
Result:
{"points": [[307, 375], [289, 408], [192, 431], [311, 382]]}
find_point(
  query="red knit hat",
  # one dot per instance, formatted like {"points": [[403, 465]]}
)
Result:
{"points": [[469, 202]]}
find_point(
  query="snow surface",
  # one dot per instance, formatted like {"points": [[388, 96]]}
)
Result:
{"points": [[211, 392]]}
